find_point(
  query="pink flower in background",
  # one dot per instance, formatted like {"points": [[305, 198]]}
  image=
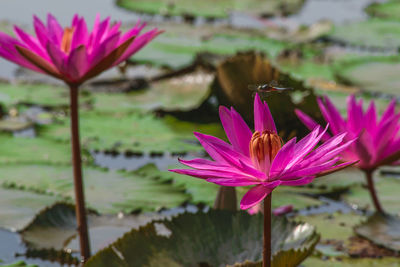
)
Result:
{"points": [[73, 54], [258, 159], [378, 140]]}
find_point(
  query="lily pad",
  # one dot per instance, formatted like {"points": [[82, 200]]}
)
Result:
{"points": [[179, 47], [387, 10], [199, 190], [383, 230], [376, 74], [106, 192], [36, 94], [34, 150], [134, 132], [55, 228], [350, 262], [19, 264], [339, 181], [215, 238], [387, 191], [207, 8], [14, 124], [374, 33], [336, 226], [18, 207], [184, 92]]}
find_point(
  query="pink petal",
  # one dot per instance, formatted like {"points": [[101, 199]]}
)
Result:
{"points": [[298, 182], [236, 130], [58, 58], [282, 210], [77, 63], [137, 44], [54, 30], [103, 49], [81, 35], [254, 196], [309, 122], [283, 157], [262, 116], [41, 31], [30, 42]]}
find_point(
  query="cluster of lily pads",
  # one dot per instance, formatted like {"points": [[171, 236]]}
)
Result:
{"points": [[153, 113]]}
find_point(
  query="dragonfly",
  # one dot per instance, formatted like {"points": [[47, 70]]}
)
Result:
{"points": [[268, 87]]}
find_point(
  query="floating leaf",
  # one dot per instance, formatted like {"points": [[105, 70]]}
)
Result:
{"points": [[383, 230], [339, 181], [106, 192], [181, 44], [36, 94], [376, 74], [184, 92], [14, 124], [33, 150], [55, 228], [215, 238], [387, 191], [387, 10], [375, 33], [209, 8], [350, 262], [199, 190], [134, 132], [336, 226], [19, 207], [19, 264]]}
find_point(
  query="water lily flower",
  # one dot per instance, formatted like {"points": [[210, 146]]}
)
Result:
{"points": [[378, 140], [74, 54], [258, 159]]}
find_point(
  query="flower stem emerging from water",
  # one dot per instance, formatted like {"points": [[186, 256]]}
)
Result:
{"points": [[78, 183], [267, 231]]}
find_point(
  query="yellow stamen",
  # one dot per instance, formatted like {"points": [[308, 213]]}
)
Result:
{"points": [[264, 146], [67, 39]]}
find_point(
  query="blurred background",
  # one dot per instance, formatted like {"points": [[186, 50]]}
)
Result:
{"points": [[138, 118]]}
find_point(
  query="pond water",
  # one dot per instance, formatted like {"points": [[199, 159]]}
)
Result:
{"points": [[12, 249]]}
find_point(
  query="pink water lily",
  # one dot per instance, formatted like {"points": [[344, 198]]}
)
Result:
{"points": [[378, 143], [73, 54], [378, 140], [258, 159]]}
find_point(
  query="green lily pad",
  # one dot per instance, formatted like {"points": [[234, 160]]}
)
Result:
{"points": [[55, 228], [371, 33], [336, 226], [183, 93], [339, 181], [376, 74], [214, 238], [18, 207], [106, 192], [14, 124], [383, 230], [179, 46], [134, 132], [387, 191], [350, 262], [19, 264], [387, 10], [36, 94], [199, 190], [207, 8], [34, 150]]}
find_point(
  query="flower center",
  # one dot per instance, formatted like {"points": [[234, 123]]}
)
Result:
{"points": [[263, 149], [67, 39]]}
